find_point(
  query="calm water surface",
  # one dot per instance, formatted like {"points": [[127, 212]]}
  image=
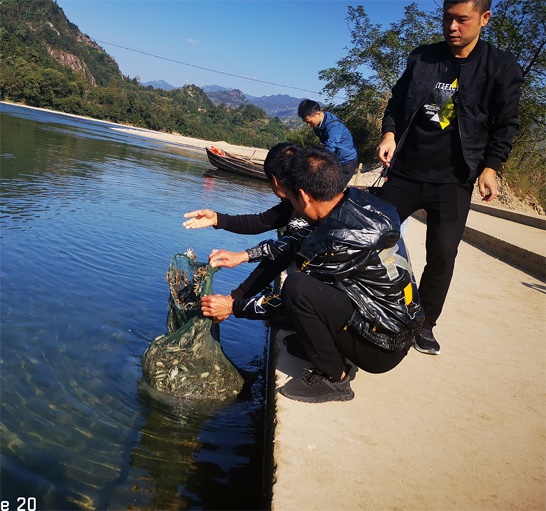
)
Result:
{"points": [[89, 219]]}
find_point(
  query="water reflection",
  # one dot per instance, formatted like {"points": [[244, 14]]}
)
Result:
{"points": [[89, 219], [158, 453]]}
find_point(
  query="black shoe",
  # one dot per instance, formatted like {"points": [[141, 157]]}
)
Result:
{"points": [[317, 388], [294, 346], [425, 342]]}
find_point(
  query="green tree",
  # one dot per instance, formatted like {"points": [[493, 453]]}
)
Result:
{"points": [[377, 57], [53, 86], [520, 27], [20, 81], [252, 113], [374, 62]]}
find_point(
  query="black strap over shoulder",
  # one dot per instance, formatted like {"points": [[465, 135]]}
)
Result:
{"points": [[335, 120]]}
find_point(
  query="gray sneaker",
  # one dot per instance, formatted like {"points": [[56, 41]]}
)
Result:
{"points": [[425, 342], [316, 387]]}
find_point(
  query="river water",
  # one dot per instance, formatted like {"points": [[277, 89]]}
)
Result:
{"points": [[89, 219]]}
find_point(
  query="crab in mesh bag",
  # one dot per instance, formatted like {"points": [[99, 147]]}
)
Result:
{"points": [[189, 362]]}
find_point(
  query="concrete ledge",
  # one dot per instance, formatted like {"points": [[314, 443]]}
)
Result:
{"points": [[521, 218], [530, 262]]}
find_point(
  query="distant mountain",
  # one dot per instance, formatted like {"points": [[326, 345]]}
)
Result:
{"points": [[233, 98], [215, 88], [160, 84], [278, 105]]}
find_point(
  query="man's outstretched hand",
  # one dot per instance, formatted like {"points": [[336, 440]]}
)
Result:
{"points": [[200, 218]]}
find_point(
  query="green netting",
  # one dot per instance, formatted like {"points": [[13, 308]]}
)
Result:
{"points": [[189, 362]]}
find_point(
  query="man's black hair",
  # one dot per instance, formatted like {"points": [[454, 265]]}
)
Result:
{"points": [[308, 107], [315, 171], [278, 158], [480, 5]]}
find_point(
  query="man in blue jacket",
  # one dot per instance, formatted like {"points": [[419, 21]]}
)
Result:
{"points": [[334, 136], [451, 120]]}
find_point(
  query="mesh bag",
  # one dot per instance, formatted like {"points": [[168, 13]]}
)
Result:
{"points": [[189, 362]]}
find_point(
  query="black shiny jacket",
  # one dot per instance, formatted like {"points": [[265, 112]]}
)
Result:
{"points": [[358, 250]]}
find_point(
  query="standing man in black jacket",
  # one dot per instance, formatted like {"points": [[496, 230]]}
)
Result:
{"points": [[451, 119]]}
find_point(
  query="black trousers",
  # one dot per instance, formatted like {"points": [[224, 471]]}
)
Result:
{"points": [[447, 207], [349, 169], [320, 313]]}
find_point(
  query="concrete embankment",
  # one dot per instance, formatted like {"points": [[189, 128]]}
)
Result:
{"points": [[463, 430], [512, 237]]}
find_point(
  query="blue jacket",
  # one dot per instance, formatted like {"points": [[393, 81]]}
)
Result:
{"points": [[336, 138]]}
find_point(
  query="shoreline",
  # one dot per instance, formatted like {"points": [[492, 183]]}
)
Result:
{"points": [[506, 200], [173, 138]]}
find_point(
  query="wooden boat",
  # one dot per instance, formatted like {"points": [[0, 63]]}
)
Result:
{"points": [[238, 164]]}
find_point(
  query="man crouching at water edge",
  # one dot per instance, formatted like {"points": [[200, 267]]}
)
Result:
{"points": [[353, 297]]}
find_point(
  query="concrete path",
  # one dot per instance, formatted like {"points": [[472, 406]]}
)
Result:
{"points": [[528, 237], [465, 430]]}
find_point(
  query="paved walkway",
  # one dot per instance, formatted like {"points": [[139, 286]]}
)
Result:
{"points": [[465, 430]]}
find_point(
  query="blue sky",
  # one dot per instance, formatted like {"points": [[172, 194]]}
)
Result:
{"points": [[282, 42]]}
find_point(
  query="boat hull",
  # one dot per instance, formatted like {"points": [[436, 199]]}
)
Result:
{"points": [[236, 164]]}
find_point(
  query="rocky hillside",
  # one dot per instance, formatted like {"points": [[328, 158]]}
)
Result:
{"points": [[38, 31], [232, 98]]}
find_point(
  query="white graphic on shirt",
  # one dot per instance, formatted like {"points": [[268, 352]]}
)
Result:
{"points": [[443, 109]]}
